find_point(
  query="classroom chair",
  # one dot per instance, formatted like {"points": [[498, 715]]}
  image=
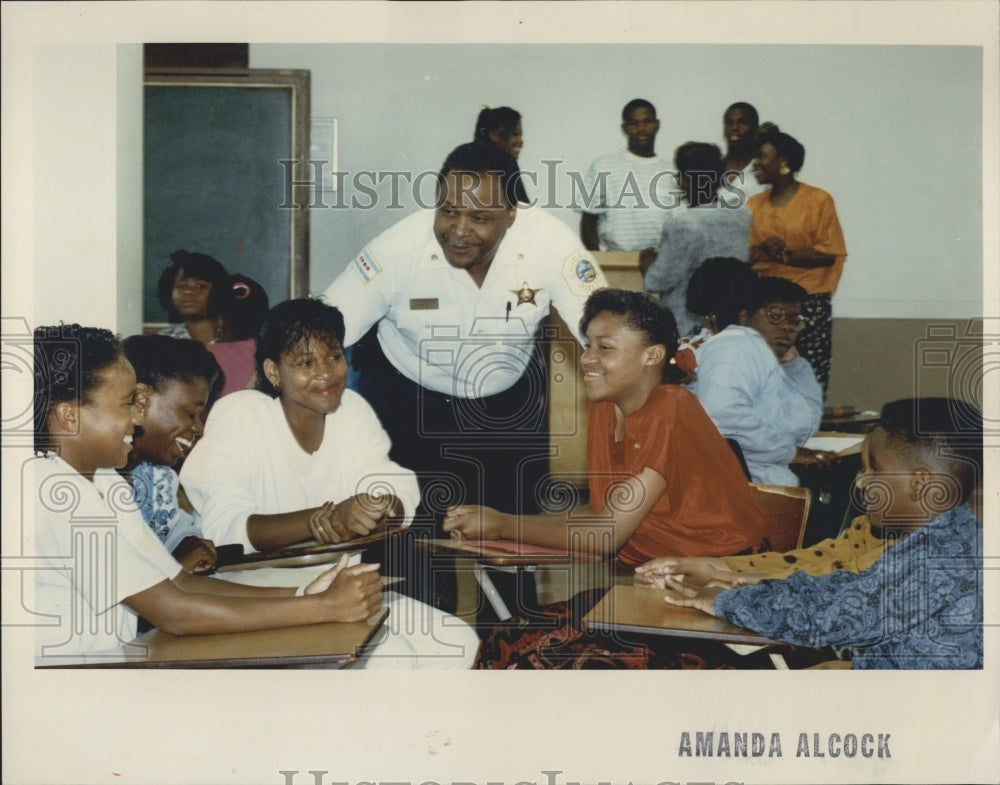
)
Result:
{"points": [[787, 511]]}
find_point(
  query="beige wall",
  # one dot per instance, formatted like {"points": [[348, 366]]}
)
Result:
{"points": [[879, 360]]}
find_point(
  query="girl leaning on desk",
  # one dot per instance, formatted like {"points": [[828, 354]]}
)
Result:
{"points": [[85, 415], [662, 479], [303, 458]]}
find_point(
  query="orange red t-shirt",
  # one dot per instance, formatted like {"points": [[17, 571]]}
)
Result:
{"points": [[707, 508]]}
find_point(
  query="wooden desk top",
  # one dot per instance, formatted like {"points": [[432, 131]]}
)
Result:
{"points": [[640, 609], [334, 643], [300, 555], [854, 423]]}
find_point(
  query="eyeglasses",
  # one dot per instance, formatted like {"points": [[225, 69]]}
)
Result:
{"points": [[777, 315]]}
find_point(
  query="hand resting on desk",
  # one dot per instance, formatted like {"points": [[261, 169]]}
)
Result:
{"points": [[474, 522], [355, 516], [355, 592], [701, 598], [196, 554], [674, 572]]}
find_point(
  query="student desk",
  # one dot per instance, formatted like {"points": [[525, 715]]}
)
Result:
{"points": [[640, 609], [832, 487], [506, 556], [306, 555], [853, 423], [331, 644]]}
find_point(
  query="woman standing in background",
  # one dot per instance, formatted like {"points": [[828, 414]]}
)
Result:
{"points": [[796, 235], [501, 127]]}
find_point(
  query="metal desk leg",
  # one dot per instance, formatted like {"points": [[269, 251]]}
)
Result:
{"points": [[486, 584]]}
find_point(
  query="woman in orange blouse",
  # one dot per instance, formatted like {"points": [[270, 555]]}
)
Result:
{"points": [[662, 479], [796, 235]]}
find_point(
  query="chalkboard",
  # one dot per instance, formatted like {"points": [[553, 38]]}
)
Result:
{"points": [[214, 181]]}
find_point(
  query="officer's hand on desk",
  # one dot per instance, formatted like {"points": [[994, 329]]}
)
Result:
{"points": [[474, 522]]}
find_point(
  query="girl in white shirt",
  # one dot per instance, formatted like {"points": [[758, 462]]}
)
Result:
{"points": [[303, 458], [84, 419]]}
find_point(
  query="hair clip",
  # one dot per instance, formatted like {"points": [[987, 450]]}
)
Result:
{"points": [[241, 290]]}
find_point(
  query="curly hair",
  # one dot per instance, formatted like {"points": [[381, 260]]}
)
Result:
{"points": [[244, 305], [287, 325], [160, 359], [720, 288], [69, 364], [643, 314], [787, 146]]}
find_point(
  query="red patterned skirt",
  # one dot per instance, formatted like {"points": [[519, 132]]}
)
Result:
{"points": [[554, 639]]}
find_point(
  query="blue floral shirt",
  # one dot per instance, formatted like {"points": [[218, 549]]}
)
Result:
{"points": [[919, 606], [155, 489]]}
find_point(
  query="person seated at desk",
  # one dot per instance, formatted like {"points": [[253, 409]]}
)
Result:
{"points": [[757, 389], [176, 378], [241, 313], [84, 419], [716, 292], [662, 479], [917, 604], [303, 458], [190, 291]]}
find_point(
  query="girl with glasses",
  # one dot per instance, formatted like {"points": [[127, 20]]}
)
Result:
{"points": [[758, 390]]}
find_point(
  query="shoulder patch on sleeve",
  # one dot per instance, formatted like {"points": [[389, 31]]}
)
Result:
{"points": [[367, 265], [581, 273]]}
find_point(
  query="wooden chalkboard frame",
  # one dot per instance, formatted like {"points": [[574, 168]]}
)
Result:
{"points": [[298, 83]]}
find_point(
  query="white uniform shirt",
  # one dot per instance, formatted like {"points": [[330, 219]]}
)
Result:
{"points": [[248, 462], [443, 332], [630, 194], [95, 550]]}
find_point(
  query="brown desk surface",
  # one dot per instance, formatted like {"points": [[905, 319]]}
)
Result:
{"points": [[643, 610], [518, 555], [334, 643], [854, 423], [303, 555]]}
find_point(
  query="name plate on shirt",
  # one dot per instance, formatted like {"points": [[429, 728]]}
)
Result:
{"points": [[424, 304]]}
